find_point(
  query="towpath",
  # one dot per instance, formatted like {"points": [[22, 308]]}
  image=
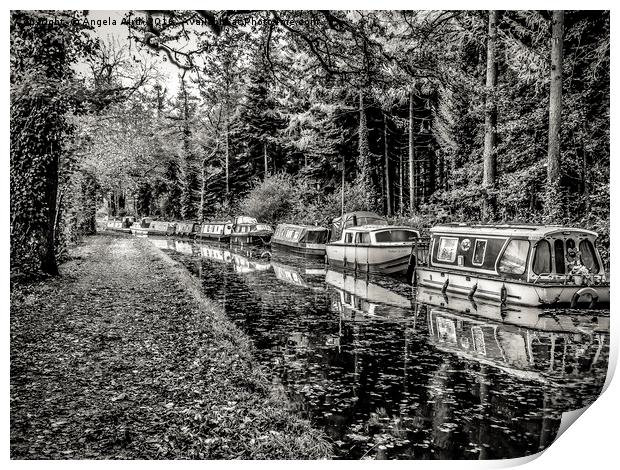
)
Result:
{"points": [[121, 357]]}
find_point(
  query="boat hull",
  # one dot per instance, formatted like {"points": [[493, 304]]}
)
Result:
{"points": [[385, 259], [250, 239], [301, 249], [213, 237], [516, 292]]}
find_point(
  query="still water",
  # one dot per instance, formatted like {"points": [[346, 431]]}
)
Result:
{"points": [[387, 375]]}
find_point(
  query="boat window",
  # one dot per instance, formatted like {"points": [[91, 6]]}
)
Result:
{"points": [[558, 250], [366, 238], [348, 237], [480, 249], [447, 249], [542, 258], [362, 238], [316, 237], [514, 259], [396, 236], [588, 256]]}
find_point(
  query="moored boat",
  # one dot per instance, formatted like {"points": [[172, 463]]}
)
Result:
{"points": [[141, 228], [121, 224], [147, 226], [375, 248], [215, 230], [520, 264], [186, 229], [354, 219], [306, 240], [247, 231]]}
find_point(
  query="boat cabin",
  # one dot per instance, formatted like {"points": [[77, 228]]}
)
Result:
{"points": [[354, 219], [244, 225], [295, 234], [216, 228], [186, 229], [301, 239], [530, 253], [367, 235]]}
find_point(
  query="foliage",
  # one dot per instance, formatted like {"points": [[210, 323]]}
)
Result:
{"points": [[284, 97]]}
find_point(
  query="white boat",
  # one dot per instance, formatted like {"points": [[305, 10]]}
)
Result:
{"points": [[147, 226], [248, 231], [215, 230], [374, 248], [121, 224], [354, 219], [520, 264]]}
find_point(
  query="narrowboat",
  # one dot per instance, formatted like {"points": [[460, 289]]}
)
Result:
{"points": [[519, 264], [142, 227], [121, 224], [358, 299], [215, 230], [247, 231], [153, 227], [548, 352], [354, 219], [186, 229], [375, 248], [305, 240]]}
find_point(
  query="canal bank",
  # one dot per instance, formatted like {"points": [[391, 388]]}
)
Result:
{"points": [[122, 357]]}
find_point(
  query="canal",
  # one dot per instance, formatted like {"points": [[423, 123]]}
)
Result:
{"points": [[389, 376]]}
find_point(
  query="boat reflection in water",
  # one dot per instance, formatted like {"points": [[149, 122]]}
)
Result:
{"points": [[520, 340], [389, 375], [243, 261], [308, 275], [161, 242], [356, 298]]}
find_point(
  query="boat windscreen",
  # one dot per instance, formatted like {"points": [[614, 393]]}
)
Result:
{"points": [[588, 256], [316, 236], [395, 236]]}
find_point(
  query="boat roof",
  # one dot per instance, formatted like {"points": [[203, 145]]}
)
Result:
{"points": [[531, 231], [373, 228], [211, 222], [348, 215], [307, 227]]}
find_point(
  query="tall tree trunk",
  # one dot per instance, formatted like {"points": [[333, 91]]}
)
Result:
{"points": [[388, 189], [552, 195], [48, 259], [227, 156], [186, 185], [490, 122], [401, 183], [342, 186], [412, 188], [363, 160], [266, 161]]}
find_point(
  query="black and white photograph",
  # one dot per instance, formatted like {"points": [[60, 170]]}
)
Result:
{"points": [[349, 234]]}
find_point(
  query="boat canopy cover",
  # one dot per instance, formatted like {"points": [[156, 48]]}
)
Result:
{"points": [[532, 232], [354, 219]]}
